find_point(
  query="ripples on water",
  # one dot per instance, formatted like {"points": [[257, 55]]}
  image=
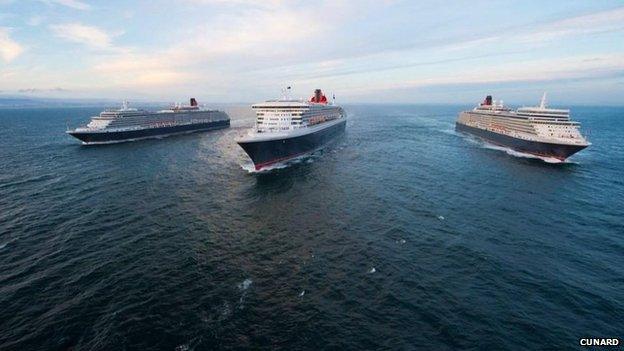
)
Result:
{"points": [[401, 234]]}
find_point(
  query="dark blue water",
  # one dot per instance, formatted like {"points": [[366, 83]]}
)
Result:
{"points": [[171, 244]]}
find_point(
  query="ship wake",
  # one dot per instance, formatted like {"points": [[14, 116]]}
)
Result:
{"points": [[511, 152], [307, 158], [519, 154]]}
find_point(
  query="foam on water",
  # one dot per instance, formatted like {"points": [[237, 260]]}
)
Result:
{"points": [[251, 168], [449, 131], [307, 158], [245, 284], [5, 244], [519, 154], [487, 145]]}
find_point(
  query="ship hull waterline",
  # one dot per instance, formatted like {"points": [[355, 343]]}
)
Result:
{"points": [[541, 149], [264, 153], [109, 137]]}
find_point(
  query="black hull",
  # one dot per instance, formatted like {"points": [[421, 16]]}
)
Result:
{"points": [[265, 153], [558, 151], [130, 135]]}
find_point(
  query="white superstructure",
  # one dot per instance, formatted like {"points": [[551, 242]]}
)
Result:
{"points": [[287, 128], [283, 117], [288, 115], [540, 123]]}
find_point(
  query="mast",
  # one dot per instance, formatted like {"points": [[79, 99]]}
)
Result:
{"points": [[543, 102]]}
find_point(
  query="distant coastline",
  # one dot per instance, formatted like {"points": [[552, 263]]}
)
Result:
{"points": [[26, 102], [19, 101]]}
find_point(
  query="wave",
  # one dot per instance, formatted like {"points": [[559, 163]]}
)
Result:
{"points": [[519, 154], [245, 284], [3, 245], [511, 152], [251, 168], [307, 158], [449, 131]]}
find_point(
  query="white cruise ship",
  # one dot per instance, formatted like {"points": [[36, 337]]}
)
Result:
{"points": [[538, 130], [287, 128], [126, 123]]}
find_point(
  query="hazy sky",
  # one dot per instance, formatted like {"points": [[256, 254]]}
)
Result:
{"points": [[379, 51]]}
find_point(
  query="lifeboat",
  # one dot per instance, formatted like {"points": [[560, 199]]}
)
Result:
{"points": [[318, 97]]}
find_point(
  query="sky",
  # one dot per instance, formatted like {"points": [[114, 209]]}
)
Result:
{"points": [[381, 51]]}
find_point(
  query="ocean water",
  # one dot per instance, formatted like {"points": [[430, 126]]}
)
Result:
{"points": [[401, 234]]}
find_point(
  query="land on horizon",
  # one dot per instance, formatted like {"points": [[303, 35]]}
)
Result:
{"points": [[42, 102]]}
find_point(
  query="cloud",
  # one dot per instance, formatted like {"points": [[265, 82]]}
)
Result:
{"points": [[256, 28], [34, 21], [527, 71], [74, 4], [594, 23], [244, 3], [144, 70], [90, 36], [475, 48], [40, 90], [231, 39], [598, 22], [9, 48]]}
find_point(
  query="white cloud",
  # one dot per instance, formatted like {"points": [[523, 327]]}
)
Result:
{"points": [[74, 4], [599, 22], [34, 21], [261, 29], [90, 36], [9, 48], [245, 3], [581, 25], [527, 71], [229, 40], [508, 42]]}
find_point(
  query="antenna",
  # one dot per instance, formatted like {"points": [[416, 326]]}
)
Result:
{"points": [[543, 102], [286, 93]]}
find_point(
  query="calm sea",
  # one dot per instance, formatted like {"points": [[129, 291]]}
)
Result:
{"points": [[402, 234]]}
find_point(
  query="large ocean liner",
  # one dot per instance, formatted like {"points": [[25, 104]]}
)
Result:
{"points": [[127, 124], [539, 130], [288, 128]]}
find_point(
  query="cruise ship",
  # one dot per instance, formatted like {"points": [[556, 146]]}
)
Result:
{"points": [[128, 124], [539, 130], [287, 128]]}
